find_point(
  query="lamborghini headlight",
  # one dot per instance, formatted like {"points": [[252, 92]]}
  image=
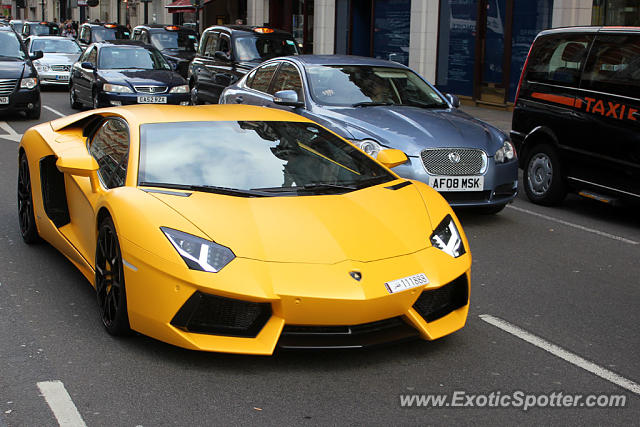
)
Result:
{"points": [[180, 89], [447, 238], [369, 146], [198, 253], [505, 153], [28, 83], [107, 87]]}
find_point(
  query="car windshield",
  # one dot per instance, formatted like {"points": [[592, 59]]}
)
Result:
{"points": [[100, 34], [17, 26], [177, 40], [263, 48], [270, 157], [131, 57], [360, 85], [43, 30], [10, 46], [55, 46]]}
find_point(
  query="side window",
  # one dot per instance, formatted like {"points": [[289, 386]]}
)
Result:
{"points": [[558, 60], [110, 148], [136, 34], [287, 78], [93, 56], [224, 44], [263, 75], [211, 44], [614, 65], [249, 79]]}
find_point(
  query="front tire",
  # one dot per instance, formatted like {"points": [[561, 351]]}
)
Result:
{"points": [[109, 279], [543, 177], [26, 218]]}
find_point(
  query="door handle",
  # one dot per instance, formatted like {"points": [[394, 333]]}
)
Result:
{"points": [[239, 100]]}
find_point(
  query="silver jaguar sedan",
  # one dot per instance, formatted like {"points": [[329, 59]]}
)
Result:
{"points": [[380, 104], [54, 68]]}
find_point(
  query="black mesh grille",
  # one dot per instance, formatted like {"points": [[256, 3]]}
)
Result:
{"points": [[210, 314], [351, 329], [437, 303]]}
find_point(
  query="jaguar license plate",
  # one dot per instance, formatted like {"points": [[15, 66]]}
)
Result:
{"points": [[4, 99], [152, 100], [405, 283], [457, 183]]}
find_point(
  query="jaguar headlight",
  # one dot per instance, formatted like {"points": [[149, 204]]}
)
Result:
{"points": [[198, 253], [369, 146], [107, 87], [28, 83], [180, 89], [505, 153], [447, 238]]}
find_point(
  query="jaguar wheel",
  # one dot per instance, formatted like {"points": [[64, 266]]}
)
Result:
{"points": [[26, 218], [543, 179], [109, 279]]}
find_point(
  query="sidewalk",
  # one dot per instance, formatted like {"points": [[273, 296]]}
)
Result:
{"points": [[499, 118]]}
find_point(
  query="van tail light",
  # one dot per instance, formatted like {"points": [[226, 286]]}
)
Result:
{"points": [[524, 70]]}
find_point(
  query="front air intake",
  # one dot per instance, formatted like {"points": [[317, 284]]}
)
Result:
{"points": [[215, 315], [437, 303]]}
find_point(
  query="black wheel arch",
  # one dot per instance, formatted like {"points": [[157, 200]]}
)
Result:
{"points": [[538, 135]]}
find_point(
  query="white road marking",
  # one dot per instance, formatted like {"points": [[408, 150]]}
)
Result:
{"points": [[54, 111], [11, 134], [579, 227], [61, 404], [572, 358]]}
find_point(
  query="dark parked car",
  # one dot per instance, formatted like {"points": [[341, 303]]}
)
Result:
{"points": [[92, 32], [19, 85], [380, 104], [177, 44], [38, 28], [122, 72], [226, 53], [576, 121]]}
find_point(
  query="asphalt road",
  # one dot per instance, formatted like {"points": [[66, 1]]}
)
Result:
{"points": [[568, 275]]}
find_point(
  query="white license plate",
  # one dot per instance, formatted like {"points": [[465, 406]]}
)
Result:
{"points": [[63, 77], [4, 99], [405, 283], [457, 183], [152, 100]]}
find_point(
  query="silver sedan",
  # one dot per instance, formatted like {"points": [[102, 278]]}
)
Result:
{"points": [[54, 68]]}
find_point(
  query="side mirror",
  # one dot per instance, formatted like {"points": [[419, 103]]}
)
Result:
{"points": [[87, 66], [391, 157], [453, 100], [80, 166], [287, 97], [221, 55], [36, 55]]}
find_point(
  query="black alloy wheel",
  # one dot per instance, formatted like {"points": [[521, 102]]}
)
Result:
{"points": [[26, 218], [109, 280]]}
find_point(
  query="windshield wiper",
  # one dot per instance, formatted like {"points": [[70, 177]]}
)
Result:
{"points": [[309, 188], [371, 104], [208, 189]]}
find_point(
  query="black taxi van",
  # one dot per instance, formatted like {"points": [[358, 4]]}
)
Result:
{"points": [[178, 44], [226, 53], [39, 28], [576, 118], [92, 32]]}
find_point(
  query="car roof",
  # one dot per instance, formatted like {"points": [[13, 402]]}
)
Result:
{"points": [[121, 42], [102, 24], [249, 29], [592, 29], [342, 60], [163, 27], [53, 36]]}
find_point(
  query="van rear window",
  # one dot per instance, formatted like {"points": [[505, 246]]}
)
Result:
{"points": [[614, 65], [558, 60]]}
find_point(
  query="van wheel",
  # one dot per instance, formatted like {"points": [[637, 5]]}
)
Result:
{"points": [[543, 177]]}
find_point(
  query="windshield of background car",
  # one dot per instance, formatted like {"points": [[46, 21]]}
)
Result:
{"points": [[177, 40], [55, 46], [10, 47], [252, 155], [131, 57], [348, 85], [17, 26], [43, 30], [263, 48], [101, 34]]}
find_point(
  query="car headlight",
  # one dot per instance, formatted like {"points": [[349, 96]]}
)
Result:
{"points": [[505, 153], [29, 83], [447, 238], [198, 253], [369, 146], [180, 89], [41, 67], [116, 88]]}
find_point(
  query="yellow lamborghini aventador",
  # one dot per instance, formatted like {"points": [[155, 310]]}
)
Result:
{"points": [[239, 229]]}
